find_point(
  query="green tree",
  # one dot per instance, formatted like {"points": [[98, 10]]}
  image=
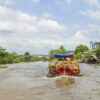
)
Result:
{"points": [[27, 54], [34, 58], [88, 54], [81, 48], [78, 55], [97, 52], [61, 49], [27, 57]]}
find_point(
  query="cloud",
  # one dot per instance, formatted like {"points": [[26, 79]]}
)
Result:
{"points": [[91, 14], [47, 15], [36, 1], [68, 2], [6, 2], [21, 32], [88, 2], [23, 22], [74, 4], [64, 3], [78, 38], [94, 26], [93, 3]]}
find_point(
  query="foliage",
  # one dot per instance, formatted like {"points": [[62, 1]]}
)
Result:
{"points": [[27, 54], [88, 54], [78, 55], [81, 48], [61, 49], [34, 58], [6, 57], [97, 52], [16, 61], [2, 67]]}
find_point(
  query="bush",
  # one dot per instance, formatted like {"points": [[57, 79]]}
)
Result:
{"points": [[78, 55], [16, 61], [3, 67], [88, 54]]}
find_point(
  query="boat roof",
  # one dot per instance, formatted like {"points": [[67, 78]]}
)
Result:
{"points": [[62, 55]]}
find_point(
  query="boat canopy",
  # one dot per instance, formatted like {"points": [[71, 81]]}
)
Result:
{"points": [[62, 55]]}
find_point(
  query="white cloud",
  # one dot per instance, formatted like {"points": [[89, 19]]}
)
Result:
{"points": [[91, 14], [6, 2], [73, 4], [36, 1], [49, 25], [21, 31], [93, 3], [78, 38], [68, 2], [47, 15], [88, 2], [22, 22], [95, 28], [64, 3]]}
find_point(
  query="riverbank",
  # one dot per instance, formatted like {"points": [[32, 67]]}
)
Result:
{"points": [[3, 67]]}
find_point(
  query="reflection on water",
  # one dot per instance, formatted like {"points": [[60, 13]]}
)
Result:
{"points": [[28, 81], [64, 82]]}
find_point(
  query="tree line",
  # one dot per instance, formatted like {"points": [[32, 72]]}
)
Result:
{"points": [[9, 58], [80, 50]]}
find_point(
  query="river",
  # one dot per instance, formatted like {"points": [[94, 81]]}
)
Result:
{"points": [[28, 81]]}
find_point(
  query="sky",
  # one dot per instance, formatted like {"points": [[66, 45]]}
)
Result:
{"points": [[39, 26]]}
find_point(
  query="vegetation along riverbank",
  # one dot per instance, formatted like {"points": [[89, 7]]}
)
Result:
{"points": [[81, 52]]}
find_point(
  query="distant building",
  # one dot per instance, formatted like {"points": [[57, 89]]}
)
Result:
{"points": [[94, 44]]}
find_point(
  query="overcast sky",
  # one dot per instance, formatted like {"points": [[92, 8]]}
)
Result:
{"points": [[38, 26]]}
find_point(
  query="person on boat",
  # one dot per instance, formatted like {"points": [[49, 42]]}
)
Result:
{"points": [[54, 65], [54, 62], [68, 58]]}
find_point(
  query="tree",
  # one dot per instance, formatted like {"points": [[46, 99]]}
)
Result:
{"points": [[27, 57], [61, 49], [97, 52], [88, 54], [27, 54], [6, 57], [78, 55], [81, 48], [34, 58]]}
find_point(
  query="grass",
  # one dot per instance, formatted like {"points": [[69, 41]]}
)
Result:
{"points": [[3, 67]]}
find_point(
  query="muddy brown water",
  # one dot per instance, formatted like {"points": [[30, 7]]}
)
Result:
{"points": [[28, 81]]}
